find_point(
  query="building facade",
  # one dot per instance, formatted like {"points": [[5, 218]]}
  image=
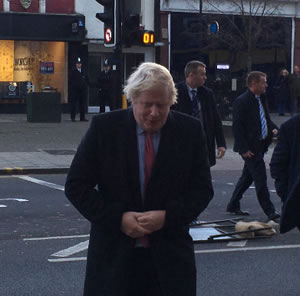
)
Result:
{"points": [[188, 31], [35, 37], [40, 41]]}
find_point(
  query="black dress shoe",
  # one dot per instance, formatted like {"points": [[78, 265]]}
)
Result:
{"points": [[275, 216], [84, 119], [238, 212]]}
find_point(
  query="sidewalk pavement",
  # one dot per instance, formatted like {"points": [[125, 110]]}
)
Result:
{"points": [[48, 148]]}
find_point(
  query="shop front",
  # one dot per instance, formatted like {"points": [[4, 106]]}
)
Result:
{"points": [[34, 51]]}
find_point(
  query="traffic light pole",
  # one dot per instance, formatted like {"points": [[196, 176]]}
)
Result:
{"points": [[118, 58]]}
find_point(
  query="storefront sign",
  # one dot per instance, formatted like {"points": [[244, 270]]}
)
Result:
{"points": [[46, 67], [25, 3], [12, 89]]}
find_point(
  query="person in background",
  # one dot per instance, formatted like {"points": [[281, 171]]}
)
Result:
{"points": [[140, 176], [285, 169], [105, 83], [253, 131], [294, 84], [197, 100], [282, 91], [78, 92]]}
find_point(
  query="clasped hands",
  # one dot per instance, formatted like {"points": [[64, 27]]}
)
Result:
{"points": [[137, 224]]}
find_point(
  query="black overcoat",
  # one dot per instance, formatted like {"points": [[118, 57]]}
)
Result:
{"points": [[211, 118], [180, 183], [285, 169], [246, 124]]}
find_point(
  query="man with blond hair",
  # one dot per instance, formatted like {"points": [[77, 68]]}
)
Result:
{"points": [[140, 176]]}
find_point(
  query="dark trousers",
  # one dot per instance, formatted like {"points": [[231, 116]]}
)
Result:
{"points": [[105, 100], [78, 100], [254, 171], [143, 275]]}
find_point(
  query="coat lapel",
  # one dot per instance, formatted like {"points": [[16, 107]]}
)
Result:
{"points": [[132, 159]]}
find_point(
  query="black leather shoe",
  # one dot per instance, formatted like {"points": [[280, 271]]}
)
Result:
{"points": [[84, 119], [275, 216], [238, 212]]}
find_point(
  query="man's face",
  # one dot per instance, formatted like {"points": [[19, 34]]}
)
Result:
{"points": [[151, 109], [260, 86], [78, 66], [199, 77], [106, 68], [296, 69]]}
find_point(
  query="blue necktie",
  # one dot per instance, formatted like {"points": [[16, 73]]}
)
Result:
{"points": [[264, 128], [195, 105]]}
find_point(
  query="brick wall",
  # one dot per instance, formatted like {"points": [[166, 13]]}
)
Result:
{"points": [[61, 6], [15, 5]]}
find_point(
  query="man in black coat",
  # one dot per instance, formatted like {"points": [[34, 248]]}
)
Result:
{"points": [[78, 92], [253, 132], [139, 241], [191, 91], [105, 83], [285, 169]]}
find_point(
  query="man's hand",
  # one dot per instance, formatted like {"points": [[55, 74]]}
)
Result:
{"points": [[220, 152], [131, 227], [152, 220], [248, 154]]}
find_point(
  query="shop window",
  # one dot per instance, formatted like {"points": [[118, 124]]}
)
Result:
{"points": [[39, 65]]}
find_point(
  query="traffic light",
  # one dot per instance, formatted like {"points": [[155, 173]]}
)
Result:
{"points": [[134, 34], [110, 19], [130, 29]]}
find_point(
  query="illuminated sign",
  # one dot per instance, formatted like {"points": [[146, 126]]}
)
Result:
{"points": [[148, 37], [223, 67], [46, 67]]}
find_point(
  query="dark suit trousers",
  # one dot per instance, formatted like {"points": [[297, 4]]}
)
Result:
{"points": [[143, 275], [77, 100], [254, 170]]}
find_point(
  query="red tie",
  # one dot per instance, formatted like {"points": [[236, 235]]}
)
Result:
{"points": [[149, 157]]}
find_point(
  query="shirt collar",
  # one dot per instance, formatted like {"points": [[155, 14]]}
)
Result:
{"points": [[141, 131]]}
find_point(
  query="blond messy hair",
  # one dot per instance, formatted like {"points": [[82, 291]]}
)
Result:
{"points": [[150, 76]]}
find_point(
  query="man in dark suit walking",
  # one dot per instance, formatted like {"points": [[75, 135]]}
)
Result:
{"points": [[197, 100], [285, 169], [141, 175], [253, 132]]}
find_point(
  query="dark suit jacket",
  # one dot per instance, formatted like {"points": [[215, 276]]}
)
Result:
{"points": [[285, 169], [211, 118], [180, 183], [246, 124], [78, 85]]}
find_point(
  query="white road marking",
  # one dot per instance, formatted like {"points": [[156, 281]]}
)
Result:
{"points": [[248, 249], [55, 237], [72, 250], [41, 182], [231, 184], [16, 199], [241, 243], [197, 252], [72, 259], [3, 206]]}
